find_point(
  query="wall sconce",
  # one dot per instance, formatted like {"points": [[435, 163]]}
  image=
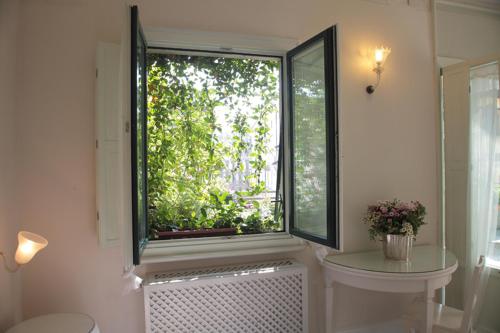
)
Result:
{"points": [[379, 57], [28, 245]]}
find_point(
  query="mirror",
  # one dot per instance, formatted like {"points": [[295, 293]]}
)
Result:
{"points": [[468, 54]]}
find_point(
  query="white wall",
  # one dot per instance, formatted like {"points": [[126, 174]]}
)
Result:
{"points": [[388, 138], [10, 291], [466, 34]]}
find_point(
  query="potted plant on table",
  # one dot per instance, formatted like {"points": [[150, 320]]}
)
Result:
{"points": [[397, 224]]}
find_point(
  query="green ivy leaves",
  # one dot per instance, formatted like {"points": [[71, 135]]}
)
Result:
{"points": [[188, 157]]}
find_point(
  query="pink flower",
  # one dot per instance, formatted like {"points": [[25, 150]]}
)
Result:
{"points": [[402, 205]]}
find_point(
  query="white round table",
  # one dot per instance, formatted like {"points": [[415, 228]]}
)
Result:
{"points": [[429, 269], [57, 323]]}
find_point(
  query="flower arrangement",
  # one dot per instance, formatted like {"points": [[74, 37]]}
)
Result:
{"points": [[395, 217]]}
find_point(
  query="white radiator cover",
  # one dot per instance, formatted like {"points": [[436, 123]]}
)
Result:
{"points": [[268, 297]]}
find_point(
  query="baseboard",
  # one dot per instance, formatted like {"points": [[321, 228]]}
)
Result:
{"points": [[393, 326], [398, 326], [483, 329]]}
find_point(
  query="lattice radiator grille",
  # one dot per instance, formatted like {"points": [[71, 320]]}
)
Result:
{"points": [[256, 298]]}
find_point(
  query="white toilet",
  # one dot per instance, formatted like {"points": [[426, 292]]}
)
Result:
{"points": [[57, 323]]}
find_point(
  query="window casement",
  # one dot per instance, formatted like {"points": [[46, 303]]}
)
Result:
{"points": [[313, 140], [138, 126], [306, 172]]}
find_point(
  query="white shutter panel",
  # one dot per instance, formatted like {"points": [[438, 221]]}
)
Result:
{"points": [[108, 158], [456, 146]]}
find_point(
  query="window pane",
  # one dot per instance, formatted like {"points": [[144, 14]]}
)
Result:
{"points": [[309, 141], [484, 177], [484, 161]]}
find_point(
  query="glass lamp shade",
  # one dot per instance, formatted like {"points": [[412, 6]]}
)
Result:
{"points": [[28, 245], [380, 55]]}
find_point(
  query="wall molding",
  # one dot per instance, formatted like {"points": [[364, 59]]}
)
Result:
{"points": [[417, 4], [478, 6], [488, 7]]}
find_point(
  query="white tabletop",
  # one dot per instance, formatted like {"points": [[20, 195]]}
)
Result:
{"points": [[57, 323], [429, 269], [425, 259]]}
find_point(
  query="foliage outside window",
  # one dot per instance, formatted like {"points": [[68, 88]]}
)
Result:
{"points": [[213, 141]]}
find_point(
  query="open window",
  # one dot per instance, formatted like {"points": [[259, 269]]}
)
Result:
{"points": [[313, 140], [138, 125], [213, 145]]}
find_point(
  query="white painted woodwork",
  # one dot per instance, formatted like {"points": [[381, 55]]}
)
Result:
{"points": [[456, 147], [451, 320], [57, 322], [412, 281], [471, 6], [256, 297], [220, 247], [108, 162], [125, 146], [466, 32], [418, 4], [217, 41]]}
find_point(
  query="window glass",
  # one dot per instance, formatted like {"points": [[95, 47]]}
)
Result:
{"points": [[484, 154], [309, 140]]}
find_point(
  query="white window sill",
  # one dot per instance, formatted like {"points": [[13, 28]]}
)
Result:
{"points": [[494, 264], [219, 247]]}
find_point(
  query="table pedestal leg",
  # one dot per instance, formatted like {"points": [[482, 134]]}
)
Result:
{"points": [[329, 307], [429, 310]]}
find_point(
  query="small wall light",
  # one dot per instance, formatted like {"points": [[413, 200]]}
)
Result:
{"points": [[28, 245], [379, 57]]}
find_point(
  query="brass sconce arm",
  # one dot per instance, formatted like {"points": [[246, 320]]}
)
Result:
{"points": [[371, 88]]}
